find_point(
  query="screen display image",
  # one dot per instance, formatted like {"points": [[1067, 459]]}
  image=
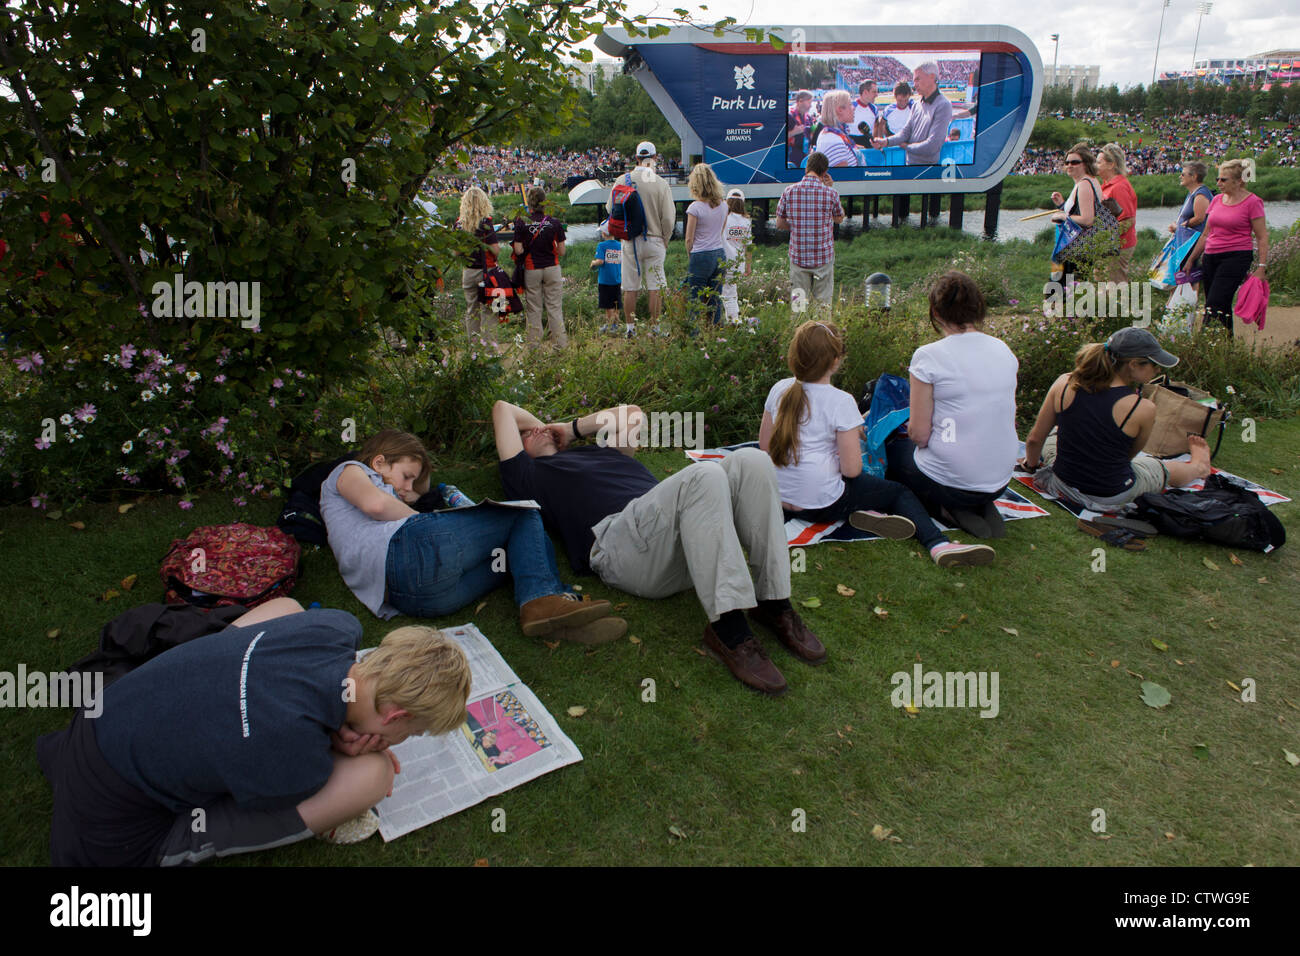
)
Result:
{"points": [[882, 108]]}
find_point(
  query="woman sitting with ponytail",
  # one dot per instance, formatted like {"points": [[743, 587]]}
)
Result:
{"points": [[1094, 422], [812, 431]]}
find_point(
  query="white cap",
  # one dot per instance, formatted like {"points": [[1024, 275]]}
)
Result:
{"points": [[645, 149], [735, 194]]}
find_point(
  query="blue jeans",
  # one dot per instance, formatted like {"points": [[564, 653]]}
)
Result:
{"points": [[869, 493], [903, 469], [440, 562], [704, 283]]}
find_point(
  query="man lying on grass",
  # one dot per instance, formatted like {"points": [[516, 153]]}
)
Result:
{"points": [[657, 538], [253, 737]]}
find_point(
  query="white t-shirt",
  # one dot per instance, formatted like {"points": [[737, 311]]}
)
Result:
{"points": [[973, 440], [863, 114], [736, 235], [896, 118], [708, 225], [816, 481]]}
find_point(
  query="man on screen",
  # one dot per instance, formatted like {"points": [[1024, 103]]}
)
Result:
{"points": [[865, 113], [798, 122], [926, 130], [900, 111]]}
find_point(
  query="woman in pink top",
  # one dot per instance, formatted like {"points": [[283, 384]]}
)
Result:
{"points": [[1111, 169], [1236, 216]]}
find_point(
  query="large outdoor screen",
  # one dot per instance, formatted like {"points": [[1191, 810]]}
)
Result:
{"points": [[971, 96], [881, 108]]}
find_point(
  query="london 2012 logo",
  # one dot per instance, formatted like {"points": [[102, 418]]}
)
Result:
{"points": [[744, 77]]}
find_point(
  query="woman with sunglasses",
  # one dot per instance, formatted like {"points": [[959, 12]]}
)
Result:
{"points": [[1094, 421], [1080, 207], [1234, 224]]}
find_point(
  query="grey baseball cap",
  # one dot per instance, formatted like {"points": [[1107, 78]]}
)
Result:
{"points": [[1129, 342]]}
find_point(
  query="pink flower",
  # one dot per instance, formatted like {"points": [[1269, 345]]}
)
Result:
{"points": [[38, 501], [125, 355], [29, 362], [219, 379], [277, 383], [85, 413], [42, 444], [186, 504]]}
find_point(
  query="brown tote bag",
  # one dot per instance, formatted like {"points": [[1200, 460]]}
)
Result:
{"points": [[1179, 413]]}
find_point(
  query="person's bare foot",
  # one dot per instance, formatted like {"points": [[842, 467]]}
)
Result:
{"points": [[1200, 452]]}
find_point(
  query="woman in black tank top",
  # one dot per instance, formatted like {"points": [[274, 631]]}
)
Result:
{"points": [[1097, 422]]}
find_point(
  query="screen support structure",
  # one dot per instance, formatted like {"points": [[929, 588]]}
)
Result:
{"points": [[692, 144]]}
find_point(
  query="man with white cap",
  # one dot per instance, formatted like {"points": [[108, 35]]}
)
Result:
{"points": [[643, 256]]}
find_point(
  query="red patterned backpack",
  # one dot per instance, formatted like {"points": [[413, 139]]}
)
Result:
{"points": [[227, 564]]}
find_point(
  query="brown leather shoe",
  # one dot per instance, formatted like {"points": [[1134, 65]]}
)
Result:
{"points": [[792, 632], [545, 614], [601, 631], [747, 662]]}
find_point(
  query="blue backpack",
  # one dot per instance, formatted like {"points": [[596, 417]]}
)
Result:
{"points": [[887, 402], [627, 215]]}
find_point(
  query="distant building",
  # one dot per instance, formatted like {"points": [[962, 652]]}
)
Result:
{"points": [[1267, 68], [1075, 77], [584, 74]]}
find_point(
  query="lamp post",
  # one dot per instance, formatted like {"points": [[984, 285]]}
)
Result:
{"points": [[1201, 10], [1158, 34], [1056, 39]]}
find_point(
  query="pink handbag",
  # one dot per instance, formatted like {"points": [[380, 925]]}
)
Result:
{"points": [[1252, 301]]}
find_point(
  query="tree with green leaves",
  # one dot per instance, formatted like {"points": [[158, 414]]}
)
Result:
{"points": [[281, 145]]}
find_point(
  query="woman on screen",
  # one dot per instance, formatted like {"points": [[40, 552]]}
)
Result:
{"points": [[833, 140]]}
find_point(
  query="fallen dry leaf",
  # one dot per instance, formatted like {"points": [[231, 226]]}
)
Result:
{"points": [[1261, 580], [1290, 704], [958, 584], [128, 582], [1114, 663], [52, 633], [123, 509], [633, 639], [1276, 471], [1209, 564], [880, 833], [839, 549], [54, 515], [675, 831], [481, 862], [818, 566], [847, 592], [1291, 758], [911, 709], [1168, 835], [962, 619], [481, 606], [1134, 674], [1178, 662], [1234, 687], [78, 525], [1090, 653], [1033, 548], [1236, 560], [551, 644], [109, 595], [699, 651], [1159, 644], [1105, 836], [1012, 631], [880, 612], [576, 711], [620, 607]]}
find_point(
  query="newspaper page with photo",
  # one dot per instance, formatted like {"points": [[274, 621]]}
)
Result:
{"points": [[508, 738]]}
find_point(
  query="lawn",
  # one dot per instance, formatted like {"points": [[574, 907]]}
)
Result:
{"points": [[710, 773]]}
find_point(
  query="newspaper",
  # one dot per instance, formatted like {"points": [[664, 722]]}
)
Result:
{"points": [[508, 738]]}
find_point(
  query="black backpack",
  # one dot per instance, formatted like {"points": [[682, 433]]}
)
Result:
{"points": [[1223, 513]]}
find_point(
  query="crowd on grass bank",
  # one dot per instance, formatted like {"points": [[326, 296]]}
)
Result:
{"points": [[1097, 236], [1178, 139], [501, 169]]}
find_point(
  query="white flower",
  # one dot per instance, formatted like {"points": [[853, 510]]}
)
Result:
{"points": [[1231, 390], [146, 396], [127, 446], [109, 358], [193, 376], [88, 419], [164, 388], [65, 419]]}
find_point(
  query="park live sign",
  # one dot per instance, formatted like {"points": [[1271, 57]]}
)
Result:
{"points": [[944, 108]]}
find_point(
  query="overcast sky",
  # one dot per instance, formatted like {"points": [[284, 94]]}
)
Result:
{"points": [[1118, 35]]}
